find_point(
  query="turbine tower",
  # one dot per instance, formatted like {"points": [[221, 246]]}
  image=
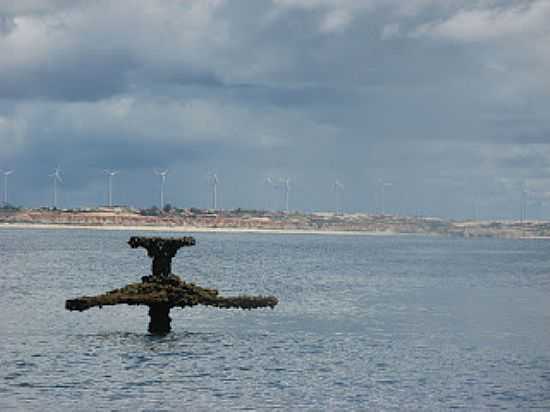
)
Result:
{"points": [[523, 206], [268, 182], [213, 180], [6, 173], [338, 188], [56, 177], [110, 174], [384, 185], [285, 184], [162, 174]]}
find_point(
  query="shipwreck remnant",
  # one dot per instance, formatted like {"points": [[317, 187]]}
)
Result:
{"points": [[163, 290]]}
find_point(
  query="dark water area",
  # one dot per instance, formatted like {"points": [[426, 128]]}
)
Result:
{"points": [[379, 323]]}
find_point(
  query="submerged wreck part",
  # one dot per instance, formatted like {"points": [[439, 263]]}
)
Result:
{"points": [[163, 290], [160, 320]]}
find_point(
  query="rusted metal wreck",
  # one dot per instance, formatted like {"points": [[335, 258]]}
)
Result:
{"points": [[163, 290]]}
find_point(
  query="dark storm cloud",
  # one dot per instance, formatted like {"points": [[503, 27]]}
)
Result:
{"points": [[536, 137], [525, 161], [6, 25], [83, 159], [284, 96], [315, 90], [73, 78]]}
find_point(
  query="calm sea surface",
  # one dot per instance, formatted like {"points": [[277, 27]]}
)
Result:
{"points": [[373, 323]]}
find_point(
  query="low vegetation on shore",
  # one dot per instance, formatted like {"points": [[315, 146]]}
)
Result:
{"points": [[241, 219]]}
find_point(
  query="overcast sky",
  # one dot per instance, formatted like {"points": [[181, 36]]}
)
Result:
{"points": [[449, 101]]}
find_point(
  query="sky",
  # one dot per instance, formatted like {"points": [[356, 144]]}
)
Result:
{"points": [[418, 107]]}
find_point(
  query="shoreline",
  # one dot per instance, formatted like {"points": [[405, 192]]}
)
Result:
{"points": [[196, 229], [234, 230]]}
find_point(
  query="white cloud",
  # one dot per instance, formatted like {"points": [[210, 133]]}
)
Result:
{"points": [[149, 119], [390, 31], [512, 42], [485, 24], [335, 21], [336, 14], [28, 7], [29, 42]]}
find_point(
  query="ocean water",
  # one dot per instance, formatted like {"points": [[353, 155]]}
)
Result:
{"points": [[363, 323]]}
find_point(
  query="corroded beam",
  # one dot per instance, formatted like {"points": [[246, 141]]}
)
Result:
{"points": [[177, 293]]}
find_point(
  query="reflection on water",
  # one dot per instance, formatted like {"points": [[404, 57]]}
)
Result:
{"points": [[363, 323]]}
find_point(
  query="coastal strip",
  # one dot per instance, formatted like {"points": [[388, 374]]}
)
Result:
{"points": [[254, 221], [193, 229]]}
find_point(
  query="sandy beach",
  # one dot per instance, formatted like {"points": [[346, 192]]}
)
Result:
{"points": [[467, 231], [194, 229]]}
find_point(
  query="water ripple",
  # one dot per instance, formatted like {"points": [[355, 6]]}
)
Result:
{"points": [[364, 323]]}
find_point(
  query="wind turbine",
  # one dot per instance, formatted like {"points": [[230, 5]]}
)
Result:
{"points": [[285, 184], [6, 173], [213, 180], [476, 208], [56, 176], [110, 174], [268, 182], [524, 194], [338, 188], [384, 185], [162, 174]]}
